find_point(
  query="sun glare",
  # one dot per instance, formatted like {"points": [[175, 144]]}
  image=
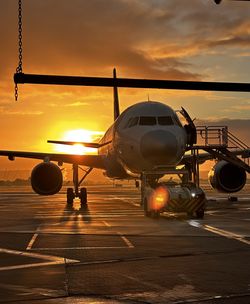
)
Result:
{"points": [[79, 135]]}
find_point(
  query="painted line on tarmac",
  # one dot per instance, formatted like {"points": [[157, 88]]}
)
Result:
{"points": [[79, 248], [96, 214], [33, 265], [126, 240], [33, 239], [147, 284], [82, 231], [53, 260], [126, 200], [221, 232], [227, 234], [25, 290], [106, 224]]}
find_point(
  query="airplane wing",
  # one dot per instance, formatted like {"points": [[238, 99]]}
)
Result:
{"points": [[93, 161], [72, 143]]}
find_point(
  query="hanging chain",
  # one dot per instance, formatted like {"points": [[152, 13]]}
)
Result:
{"points": [[19, 68]]}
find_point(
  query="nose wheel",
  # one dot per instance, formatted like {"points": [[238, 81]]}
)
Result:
{"points": [[83, 196], [70, 196], [81, 193], [150, 213]]}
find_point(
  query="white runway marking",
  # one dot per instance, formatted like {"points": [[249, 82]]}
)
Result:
{"points": [[79, 248], [225, 233], [82, 231], [147, 284], [53, 260], [33, 239], [125, 200], [106, 224], [23, 266], [23, 290], [102, 215], [126, 241]]}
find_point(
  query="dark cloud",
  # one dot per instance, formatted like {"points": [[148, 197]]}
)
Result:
{"points": [[240, 41], [83, 36], [150, 39]]}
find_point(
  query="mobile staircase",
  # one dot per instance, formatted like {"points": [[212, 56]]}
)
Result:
{"points": [[222, 145]]}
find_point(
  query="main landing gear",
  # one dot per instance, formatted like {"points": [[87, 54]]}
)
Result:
{"points": [[81, 193]]}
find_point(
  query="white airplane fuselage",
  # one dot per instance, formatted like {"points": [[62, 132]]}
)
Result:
{"points": [[146, 136]]}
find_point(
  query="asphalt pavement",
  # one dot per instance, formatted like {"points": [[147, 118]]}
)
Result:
{"points": [[110, 253]]}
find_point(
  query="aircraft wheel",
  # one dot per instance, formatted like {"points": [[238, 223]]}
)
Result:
{"points": [[155, 214], [200, 214], [147, 212], [70, 196], [145, 207], [83, 196], [190, 215]]}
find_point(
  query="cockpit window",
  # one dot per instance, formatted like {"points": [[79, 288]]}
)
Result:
{"points": [[165, 120], [147, 121], [133, 121], [150, 121]]}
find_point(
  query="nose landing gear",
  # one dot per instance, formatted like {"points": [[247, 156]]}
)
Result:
{"points": [[82, 196], [72, 193]]}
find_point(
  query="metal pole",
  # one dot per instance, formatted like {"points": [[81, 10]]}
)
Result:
{"points": [[75, 179], [131, 83]]}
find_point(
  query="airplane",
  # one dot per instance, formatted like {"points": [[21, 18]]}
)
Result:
{"points": [[145, 142]]}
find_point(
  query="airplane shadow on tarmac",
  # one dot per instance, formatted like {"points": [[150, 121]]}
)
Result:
{"points": [[70, 213]]}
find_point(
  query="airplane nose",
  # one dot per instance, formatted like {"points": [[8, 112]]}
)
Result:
{"points": [[159, 147]]}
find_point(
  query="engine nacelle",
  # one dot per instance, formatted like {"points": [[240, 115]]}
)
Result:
{"points": [[46, 179], [226, 177]]}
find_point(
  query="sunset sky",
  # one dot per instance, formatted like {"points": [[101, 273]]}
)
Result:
{"points": [[161, 39]]}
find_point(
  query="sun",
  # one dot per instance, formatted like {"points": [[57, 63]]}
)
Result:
{"points": [[79, 135]]}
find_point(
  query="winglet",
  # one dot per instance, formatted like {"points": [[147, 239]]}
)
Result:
{"points": [[116, 98]]}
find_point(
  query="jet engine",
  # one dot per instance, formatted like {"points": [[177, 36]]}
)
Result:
{"points": [[46, 179], [226, 177]]}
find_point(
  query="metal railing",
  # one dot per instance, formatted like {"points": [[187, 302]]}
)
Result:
{"points": [[212, 135], [219, 136]]}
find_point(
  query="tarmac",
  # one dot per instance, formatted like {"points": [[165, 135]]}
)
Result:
{"points": [[110, 253]]}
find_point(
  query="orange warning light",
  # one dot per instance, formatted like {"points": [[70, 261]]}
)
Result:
{"points": [[159, 198]]}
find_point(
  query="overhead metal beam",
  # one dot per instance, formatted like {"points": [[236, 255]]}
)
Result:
{"points": [[219, 1], [131, 83]]}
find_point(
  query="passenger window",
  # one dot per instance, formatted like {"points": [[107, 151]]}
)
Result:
{"points": [[165, 120], [147, 121]]}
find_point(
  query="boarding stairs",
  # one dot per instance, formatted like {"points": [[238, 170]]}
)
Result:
{"points": [[223, 145]]}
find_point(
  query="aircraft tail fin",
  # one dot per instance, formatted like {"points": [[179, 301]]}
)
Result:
{"points": [[116, 98]]}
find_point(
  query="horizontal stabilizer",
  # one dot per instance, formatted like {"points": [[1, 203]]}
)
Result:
{"points": [[72, 143]]}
